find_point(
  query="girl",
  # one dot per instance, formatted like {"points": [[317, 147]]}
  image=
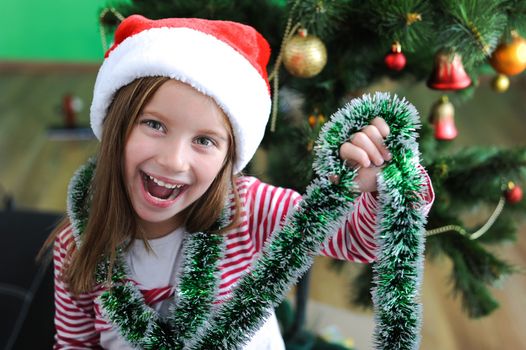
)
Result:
{"points": [[180, 106]]}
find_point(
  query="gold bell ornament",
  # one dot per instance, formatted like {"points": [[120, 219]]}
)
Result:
{"points": [[443, 119], [304, 55], [510, 58], [448, 73]]}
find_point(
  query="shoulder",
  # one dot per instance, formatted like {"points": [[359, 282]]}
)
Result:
{"points": [[245, 184], [65, 239], [252, 187]]}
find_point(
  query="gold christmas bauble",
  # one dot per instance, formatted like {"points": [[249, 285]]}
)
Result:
{"points": [[304, 55], [500, 83], [510, 58]]}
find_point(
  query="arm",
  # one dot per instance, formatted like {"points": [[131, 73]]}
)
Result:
{"points": [[354, 240], [268, 208], [366, 151], [74, 315]]}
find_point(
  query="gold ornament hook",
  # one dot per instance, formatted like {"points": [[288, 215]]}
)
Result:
{"points": [[102, 15]]}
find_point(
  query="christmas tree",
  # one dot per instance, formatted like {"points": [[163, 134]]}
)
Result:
{"points": [[327, 52]]}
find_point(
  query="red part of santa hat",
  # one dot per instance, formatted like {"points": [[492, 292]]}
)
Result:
{"points": [[224, 60]]}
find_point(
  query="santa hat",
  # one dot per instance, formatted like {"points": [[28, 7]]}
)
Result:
{"points": [[224, 60]]}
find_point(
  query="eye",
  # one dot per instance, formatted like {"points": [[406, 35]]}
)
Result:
{"points": [[205, 141], [154, 124]]}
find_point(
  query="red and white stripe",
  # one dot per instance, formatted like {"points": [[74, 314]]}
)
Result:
{"points": [[74, 315]]}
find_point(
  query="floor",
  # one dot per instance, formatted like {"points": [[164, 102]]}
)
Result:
{"points": [[35, 169]]}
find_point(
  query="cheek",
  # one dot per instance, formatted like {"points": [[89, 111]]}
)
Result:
{"points": [[133, 153], [129, 166], [210, 169], [221, 162]]}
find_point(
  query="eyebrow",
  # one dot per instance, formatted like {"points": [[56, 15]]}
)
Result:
{"points": [[213, 133]]}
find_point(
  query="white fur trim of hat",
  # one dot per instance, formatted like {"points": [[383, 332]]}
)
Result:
{"points": [[224, 60]]}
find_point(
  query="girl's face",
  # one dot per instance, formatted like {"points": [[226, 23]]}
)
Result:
{"points": [[175, 150]]}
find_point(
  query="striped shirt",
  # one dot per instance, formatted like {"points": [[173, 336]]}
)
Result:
{"points": [[78, 320]]}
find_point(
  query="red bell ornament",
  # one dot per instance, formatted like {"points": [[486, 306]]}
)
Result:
{"points": [[448, 73], [395, 60], [443, 119]]}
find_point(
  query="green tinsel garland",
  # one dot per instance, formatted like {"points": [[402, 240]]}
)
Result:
{"points": [[124, 304], [194, 324]]}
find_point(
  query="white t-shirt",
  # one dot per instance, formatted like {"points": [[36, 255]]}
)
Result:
{"points": [[159, 268]]}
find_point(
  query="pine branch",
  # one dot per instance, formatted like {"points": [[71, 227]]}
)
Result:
{"points": [[516, 15], [290, 143], [357, 35], [474, 270], [320, 17], [243, 11], [407, 21], [361, 287], [471, 28], [478, 173]]}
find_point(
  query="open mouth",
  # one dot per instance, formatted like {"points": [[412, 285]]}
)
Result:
{"points": [[159, 189]]}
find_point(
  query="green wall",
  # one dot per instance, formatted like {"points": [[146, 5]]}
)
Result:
{"points": [[50, 30]]}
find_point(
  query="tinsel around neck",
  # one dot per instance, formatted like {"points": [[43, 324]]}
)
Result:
{"points": [[194, 324]]}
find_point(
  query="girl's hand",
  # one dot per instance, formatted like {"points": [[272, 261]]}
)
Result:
{"points": [[366, 151]]}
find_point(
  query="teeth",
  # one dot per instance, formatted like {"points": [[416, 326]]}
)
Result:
{"points": [[164, 184]]}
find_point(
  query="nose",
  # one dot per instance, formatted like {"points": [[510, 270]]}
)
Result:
{"points": [[174, 156]]}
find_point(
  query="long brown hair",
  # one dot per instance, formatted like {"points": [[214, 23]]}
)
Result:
{"points": [[112, 220]]}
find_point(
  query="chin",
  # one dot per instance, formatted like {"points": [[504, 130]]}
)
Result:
{"points": [[152, 220]]}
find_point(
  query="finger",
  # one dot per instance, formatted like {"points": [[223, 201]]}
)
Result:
{"points": [[354, 155], [374, 134], [362, 140], [382, 126]]}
